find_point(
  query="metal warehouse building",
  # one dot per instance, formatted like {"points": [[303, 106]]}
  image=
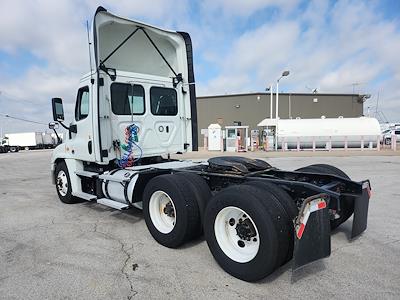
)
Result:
{"points": [[251, 108]]}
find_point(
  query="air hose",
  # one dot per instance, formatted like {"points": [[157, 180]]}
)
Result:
{"points": [[131, 142]]}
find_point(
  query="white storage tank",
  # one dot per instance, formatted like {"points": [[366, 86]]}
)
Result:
{"points": [[336, 130]]}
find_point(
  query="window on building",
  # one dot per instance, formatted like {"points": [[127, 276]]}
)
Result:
{"points": [[127, 99], [163, 101], [82, 104]]}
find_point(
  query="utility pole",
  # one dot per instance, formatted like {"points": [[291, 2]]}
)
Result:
{"points": [[284, 73]]}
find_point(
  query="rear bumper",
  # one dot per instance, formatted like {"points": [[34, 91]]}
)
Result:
{"points": [[312, 226]]}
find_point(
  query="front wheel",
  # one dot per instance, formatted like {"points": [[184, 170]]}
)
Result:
{"points": [[63, 184]]}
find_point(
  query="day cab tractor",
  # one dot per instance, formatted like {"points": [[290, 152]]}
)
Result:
{"points": [[135, 108]]}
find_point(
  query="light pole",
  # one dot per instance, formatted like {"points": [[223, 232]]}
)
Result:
{"points": [[270, 101], [284, 73]]}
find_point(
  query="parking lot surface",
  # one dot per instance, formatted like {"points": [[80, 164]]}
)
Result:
{"points": [[50, 250]]}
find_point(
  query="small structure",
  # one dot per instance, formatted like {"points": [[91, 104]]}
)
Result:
{"points": [[215, 141], [237, 138], [254, 139]]}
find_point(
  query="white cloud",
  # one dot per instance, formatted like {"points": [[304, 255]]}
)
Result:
{"points": [[325, 45], [245, 8], [328, 47], [55, 32]]}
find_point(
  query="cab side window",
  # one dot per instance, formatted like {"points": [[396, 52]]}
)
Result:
{"points": [[82, 104]]}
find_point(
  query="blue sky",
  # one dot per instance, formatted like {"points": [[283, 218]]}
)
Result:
{"points": [[239, 46]]}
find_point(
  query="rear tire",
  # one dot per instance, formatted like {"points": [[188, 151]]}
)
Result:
{"points": [[251, 251], [289, 208], [346, 203], [170, 210], [203, 192]]}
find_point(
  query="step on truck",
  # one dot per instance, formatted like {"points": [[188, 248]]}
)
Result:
{"points": [[135, 107]]}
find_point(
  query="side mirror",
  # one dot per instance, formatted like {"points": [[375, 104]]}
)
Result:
{"points": [[53, 125], [58, 110]]}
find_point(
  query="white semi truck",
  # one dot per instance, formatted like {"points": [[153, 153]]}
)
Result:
{"points": [[135, 108], [28, 141]]}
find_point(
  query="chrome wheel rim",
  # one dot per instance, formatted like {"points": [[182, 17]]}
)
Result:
{"points": [[62, 183]]}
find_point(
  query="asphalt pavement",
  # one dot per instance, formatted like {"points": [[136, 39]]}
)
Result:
{"points": [[50, 250]]}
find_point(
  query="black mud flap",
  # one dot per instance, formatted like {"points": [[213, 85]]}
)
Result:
{"points": [[361, 204], [312, 231]]}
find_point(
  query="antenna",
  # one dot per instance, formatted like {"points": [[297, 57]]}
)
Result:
{"points": [[90, 54]]}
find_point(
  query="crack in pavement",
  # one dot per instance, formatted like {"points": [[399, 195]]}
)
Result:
{"points": [[132, 292]]}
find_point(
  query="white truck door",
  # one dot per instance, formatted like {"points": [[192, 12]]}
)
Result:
{"points": [[167, 115], [82, 143], [156, 111], [128, 108]]}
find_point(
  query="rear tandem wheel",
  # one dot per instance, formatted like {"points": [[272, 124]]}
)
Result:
{"points": [[346, 204], [170, 210], [246, 231]]}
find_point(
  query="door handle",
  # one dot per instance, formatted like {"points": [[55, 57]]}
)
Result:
{"points": [[90, 147]]}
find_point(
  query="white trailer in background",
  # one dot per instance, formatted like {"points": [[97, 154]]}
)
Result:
{"points": [[29, 141]]}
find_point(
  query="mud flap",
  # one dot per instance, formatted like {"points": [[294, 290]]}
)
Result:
{"points": [[360, 216], [312, 231]]}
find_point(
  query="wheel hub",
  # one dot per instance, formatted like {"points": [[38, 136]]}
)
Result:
{"points": [[169, 210], [236, 234], [62, 183], [245, 229]]}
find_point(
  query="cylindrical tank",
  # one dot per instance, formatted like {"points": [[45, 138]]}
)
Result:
{"points": [[336, 130], [121, 187]]}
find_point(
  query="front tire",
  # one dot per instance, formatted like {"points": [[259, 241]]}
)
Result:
{"points": [[63, 184]]}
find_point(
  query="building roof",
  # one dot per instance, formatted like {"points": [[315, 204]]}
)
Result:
{"points": [[267, 94]]}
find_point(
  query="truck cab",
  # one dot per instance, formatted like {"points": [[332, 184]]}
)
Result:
{"points": [[139, 75]]}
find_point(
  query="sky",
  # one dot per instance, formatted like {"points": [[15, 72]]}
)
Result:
{"points": [[239, 46]]}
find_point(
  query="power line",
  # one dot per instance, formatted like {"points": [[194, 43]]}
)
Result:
{"points": [[21, 119], [7, 95]]}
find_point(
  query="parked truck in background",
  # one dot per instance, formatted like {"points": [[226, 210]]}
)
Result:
{"points": [[4, 148], [135, 108], [13, 142], [390, 134], [7, 146]]}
